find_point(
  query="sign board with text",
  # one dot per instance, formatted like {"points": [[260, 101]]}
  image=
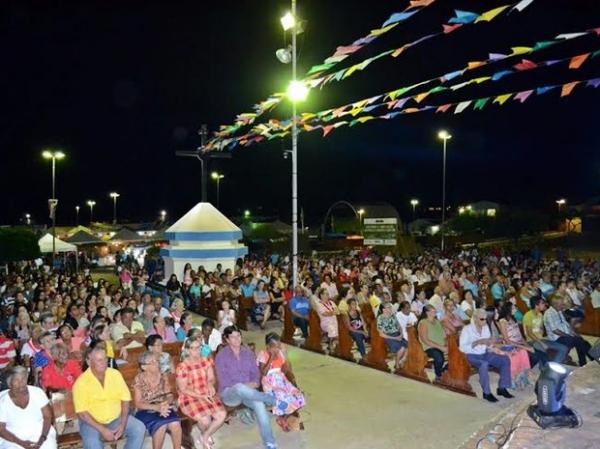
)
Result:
{"points": [[380, 231]]}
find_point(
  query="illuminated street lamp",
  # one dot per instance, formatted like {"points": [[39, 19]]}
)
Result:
{"points": [[560, 202], [163, 215], [246, 213], [114, 196], [28, 219], [414, 203], [445, 137], [217, 177], [76, 215], [91, 204], [297, 91], [53, 202]]}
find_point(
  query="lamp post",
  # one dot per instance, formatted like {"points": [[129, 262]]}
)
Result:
{"points": [[445, 136], [414, 203], [560, 202], [76, 215], [54, 156], [91, 204], [217, 177], [297, 91], [114, 196], [361, 212], [163, 215], [28, 219]]}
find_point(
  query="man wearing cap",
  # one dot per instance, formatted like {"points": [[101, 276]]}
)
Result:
{"points": [[481, 351]]}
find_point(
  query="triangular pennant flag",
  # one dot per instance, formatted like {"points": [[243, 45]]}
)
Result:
{"points": [[360, 104], [383, 30], [350, 71], [396, 93], [520, 50], [452, 75], [480, 104], [544, 89], [551, 62], [577, 61], [593, 82], [595, 54], [462, 106], [543, 44], [338, 111], [338, 124], [481, 79], [327, 129], [370, 108], [347, 50], [522, 96], [568, 88], [460, 85], [355, 111], [390, 115], [501, 99], [335, 59], [417, 3], [496, 56], [438, 89], [398, 17], [401, 102], [488, 16], [398, 51], [420, 97], [421, 39], [443, 108], [363, 65], [525, 64], [568, 36], [450, 28], [374, 99], [354, 122], [364, 40], [319, 68], [315, 82], [463, 17], [522, 5], [410, 110], [498, 75], [391, 104], [339, 75], [365, 119], [474, 64]]}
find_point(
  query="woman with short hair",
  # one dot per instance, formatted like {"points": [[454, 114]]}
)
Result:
{"points": [[25, 414], [62, 374], [155, 402]]}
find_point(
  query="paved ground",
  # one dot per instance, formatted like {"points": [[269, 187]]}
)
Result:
{"points": [[354, 407]]}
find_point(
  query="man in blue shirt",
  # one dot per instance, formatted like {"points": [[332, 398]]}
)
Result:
{"points": [[247, 289], [299, 306]]}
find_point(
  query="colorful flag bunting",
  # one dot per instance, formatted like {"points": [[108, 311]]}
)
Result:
{"points": [[347, 50], [520, 50], [496, 56], [501, 99], [593, 82], [522, 5], [525, 64], [480, 104], [462, 106], [498, 75], [543, 44], [568, 36], [443, 108], [383, 30], [417, 3], [420, 97], [474, 64], [450, 28], [544, 89], [399, 51]]}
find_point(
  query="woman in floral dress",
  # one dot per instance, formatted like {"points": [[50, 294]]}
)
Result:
{"points": [[273, 366]]}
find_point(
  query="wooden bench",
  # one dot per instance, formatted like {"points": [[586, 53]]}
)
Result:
{"points": [[287, 336], [344, 347], [456, 377], [376, 356], [591, 322], [416, 358], [313, 342], [245, 304]]}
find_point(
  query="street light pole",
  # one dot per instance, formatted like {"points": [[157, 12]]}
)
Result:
{"points": [[414, 202], [114, 196], [91, 203], [53, 155], [217, 177], [445, 136], [76, 215]]}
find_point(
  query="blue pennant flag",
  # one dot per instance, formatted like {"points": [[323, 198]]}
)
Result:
{"points": [[398, 17], [463, 17]]}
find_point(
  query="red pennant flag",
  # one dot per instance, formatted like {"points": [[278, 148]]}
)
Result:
{"points": [[577, 61], [450, 28], [443, 108], [327, 129], [525, 64]]}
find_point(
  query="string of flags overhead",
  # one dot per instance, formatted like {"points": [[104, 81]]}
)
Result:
{"points": [[396, 102]]}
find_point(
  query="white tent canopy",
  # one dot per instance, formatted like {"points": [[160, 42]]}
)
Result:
{"points": [[45, 244]]}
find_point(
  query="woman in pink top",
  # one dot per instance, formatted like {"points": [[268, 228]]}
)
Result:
{"points": [[167, 333], [75, 345]]}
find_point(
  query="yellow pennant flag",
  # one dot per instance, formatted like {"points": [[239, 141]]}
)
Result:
{"points": [[360, 104], [308, 115], [398, 51], [350, 71], [474, 64], [419, 98], [380, 31], [501, 99], [364, 119], [520, 50], [491, 14], [481, 79], [356, 111]]}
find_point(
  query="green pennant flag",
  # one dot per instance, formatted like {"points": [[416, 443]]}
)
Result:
{"points": [[480, 104], [438, 89], [320, 68], [542, 44], [595, 54], [327, 118], [353, 122], [398, 92]]}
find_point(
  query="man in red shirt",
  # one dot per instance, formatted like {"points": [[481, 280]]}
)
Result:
{"points": [[7, 356]]}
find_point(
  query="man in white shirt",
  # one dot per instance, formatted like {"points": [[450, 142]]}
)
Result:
{"points": [[405, 317], [476, 343]]}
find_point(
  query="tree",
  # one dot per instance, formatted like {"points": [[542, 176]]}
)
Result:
{"points": [[18, 244]]}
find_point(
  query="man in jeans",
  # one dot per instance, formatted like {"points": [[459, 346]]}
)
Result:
{"points": [[239, 380], [533, 326], [101, 398], [560, 331], [299, 306]]}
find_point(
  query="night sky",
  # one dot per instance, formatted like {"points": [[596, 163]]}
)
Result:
{"points": [[120, 86]]}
